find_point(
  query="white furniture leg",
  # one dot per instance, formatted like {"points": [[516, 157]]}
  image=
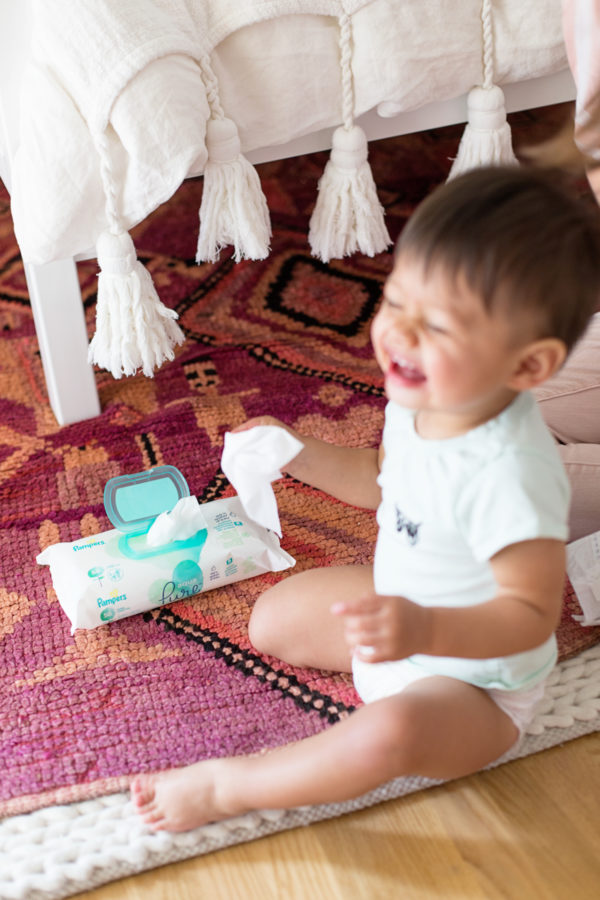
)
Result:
{"points": [[53, 288], [60, 325]]}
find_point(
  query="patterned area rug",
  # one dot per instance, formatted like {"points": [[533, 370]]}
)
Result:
{"points": [[289, 336]]}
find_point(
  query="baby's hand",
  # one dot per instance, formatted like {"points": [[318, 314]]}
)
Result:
{"points": [[382, 628]]}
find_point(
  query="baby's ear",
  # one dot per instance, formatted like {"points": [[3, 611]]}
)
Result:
{"points": [[537, 362]]}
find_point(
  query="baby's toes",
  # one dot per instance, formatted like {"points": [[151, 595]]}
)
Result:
{"points": [[142, 790], [152, 815]]}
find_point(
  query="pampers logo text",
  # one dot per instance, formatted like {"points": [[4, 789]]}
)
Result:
{"points": [[110, 601], [77, 547]]}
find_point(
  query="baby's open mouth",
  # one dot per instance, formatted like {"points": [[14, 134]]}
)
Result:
{"points": [[407, 371]]}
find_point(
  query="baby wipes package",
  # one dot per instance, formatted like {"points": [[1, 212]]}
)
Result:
{"points": [[165, 546]]}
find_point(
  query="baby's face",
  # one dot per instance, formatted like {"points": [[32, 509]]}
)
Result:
{"points": [[439, 349]]}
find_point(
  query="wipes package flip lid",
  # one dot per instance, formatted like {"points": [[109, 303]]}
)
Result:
{"points": [[135, 503], [132, 502]]}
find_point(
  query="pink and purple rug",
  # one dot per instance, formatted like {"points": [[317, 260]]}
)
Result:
{"points": [[288, 336]]}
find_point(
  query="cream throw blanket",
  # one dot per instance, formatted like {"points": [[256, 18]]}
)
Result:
{"points": [[125, 98]]}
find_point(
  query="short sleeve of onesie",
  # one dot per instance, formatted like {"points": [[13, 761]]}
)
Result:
{"points": [[516, 497]]}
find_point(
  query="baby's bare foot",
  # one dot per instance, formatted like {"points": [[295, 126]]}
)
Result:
{"points": [[180, 799]]}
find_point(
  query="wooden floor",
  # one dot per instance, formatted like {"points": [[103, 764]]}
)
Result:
{"points": [[529, 830]]}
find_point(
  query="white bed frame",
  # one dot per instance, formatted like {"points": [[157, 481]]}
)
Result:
{"points": [[54, 288]]}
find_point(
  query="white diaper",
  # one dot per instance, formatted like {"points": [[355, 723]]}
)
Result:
{"points": [[374, 681]]}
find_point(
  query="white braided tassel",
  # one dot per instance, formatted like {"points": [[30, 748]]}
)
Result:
{"points": [[487, 138], [233, 208], [348, 215], [134, 330]]}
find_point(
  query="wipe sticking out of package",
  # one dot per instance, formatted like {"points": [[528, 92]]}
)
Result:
{"points": [[118, 573], [251, 460], [179, 524], [583, 568]]}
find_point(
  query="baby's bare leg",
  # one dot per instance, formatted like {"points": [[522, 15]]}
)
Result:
{"points": [[437, 727], [293, 622]]}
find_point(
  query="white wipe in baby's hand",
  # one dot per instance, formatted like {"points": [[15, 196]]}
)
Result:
{"points": [[251, 460]]}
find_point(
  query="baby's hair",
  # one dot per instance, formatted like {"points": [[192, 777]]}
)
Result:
{"points": [[523, 241]]}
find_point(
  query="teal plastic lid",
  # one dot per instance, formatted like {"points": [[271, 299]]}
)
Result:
{"points": [[132, 502]]}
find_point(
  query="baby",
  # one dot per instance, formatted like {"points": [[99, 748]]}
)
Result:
{"points": [[450, 634]]}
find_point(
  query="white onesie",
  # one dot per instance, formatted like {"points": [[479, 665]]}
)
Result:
{"points": [[447, 507]]}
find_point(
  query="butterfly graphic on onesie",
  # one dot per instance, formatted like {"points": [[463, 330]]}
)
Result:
{"points": [[411, 528]]}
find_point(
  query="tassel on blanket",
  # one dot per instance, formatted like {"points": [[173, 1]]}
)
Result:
{"points": [[233, 209], [486, 139], [348, 215], [134, 330]]}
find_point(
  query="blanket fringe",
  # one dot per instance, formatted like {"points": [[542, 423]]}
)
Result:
{"points": [[134, 330], [487, 138], [347, 215], [233, 208]]}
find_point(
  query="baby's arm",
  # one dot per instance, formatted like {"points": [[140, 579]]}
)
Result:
{"points": [[526, 610], [346, 473], [524, 613]]}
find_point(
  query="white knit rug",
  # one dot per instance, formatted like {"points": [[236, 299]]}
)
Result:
{"points": [[63, 850]]}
